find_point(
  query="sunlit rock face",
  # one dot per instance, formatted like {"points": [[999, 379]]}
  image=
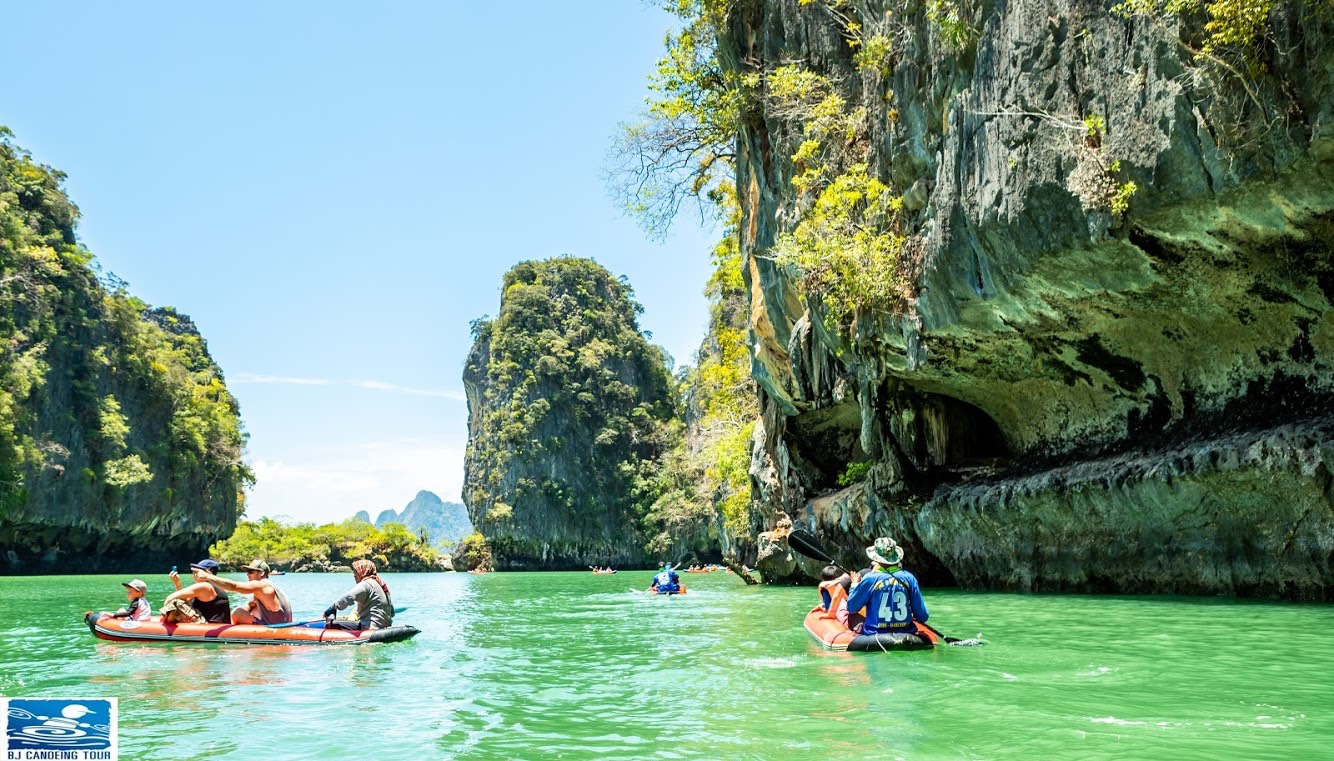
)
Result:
{"points": [[1074, 399], [67, 518], [566, 401], [120, 445]]}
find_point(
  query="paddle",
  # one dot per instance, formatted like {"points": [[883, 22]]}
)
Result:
{"points": [[804, 543], [316, 621]]}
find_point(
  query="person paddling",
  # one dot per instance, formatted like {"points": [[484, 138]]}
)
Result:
{"points": [[666, 582], [375, 608], [198, 603], [269, 604], [891, 596]]}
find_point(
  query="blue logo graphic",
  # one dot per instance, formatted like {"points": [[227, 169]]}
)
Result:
{"points": [[59, 724]]}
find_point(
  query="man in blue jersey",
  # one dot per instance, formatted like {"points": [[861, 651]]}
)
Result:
{"points": [[666, 582], [890, 594]]}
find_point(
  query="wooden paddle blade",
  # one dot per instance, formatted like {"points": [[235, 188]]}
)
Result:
{"points": [[803, 542]]}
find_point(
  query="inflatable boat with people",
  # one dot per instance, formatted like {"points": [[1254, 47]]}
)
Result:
{"points": [[111, 629], [826, 629]]}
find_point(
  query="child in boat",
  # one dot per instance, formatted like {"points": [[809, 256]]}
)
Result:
{"points": [[834, 586], [138, 609]]}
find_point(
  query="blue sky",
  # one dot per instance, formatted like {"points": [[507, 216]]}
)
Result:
{"points": [[333, 191]]}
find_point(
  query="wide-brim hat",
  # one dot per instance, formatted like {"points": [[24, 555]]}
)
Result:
{"points": [[257, 565], [885, 552]]}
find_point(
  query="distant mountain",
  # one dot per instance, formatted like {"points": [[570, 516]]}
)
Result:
{"points": [[445, 522], [362, 516]]}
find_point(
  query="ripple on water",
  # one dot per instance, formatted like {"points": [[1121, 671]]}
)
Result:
{"points": [[518, 665]]}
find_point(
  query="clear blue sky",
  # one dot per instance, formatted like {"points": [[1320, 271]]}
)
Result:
{"points": [[334, 190]]}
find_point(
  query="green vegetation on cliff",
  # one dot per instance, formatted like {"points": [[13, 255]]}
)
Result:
{"points": [[116, 430], [683, 147], [704, 480], [569, 408], [473, 552], [393, 546]]}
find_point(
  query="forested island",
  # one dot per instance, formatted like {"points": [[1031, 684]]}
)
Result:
{"points": [[569, 408], [307, 547], [120, 445]]}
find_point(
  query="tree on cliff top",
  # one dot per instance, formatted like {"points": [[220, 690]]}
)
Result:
{"points": [[681, 147], [570, 406]]}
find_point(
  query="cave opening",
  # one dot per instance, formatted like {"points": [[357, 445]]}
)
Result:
{"points": [[939, 438], [824, 443], [943, 435]]}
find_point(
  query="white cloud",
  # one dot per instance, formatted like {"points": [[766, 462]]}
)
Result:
{"points": [[370, 385], [334, 483], [375, 385]]}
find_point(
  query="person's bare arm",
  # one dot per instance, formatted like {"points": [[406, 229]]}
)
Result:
{"points": [[188, 593], [241, 587]]}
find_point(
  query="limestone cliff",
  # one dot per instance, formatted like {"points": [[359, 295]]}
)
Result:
{"points": [[120, 446], [567, 406], [1089, 385]]}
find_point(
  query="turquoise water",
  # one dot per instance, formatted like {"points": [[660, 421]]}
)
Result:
{"points": [[577, 666]]}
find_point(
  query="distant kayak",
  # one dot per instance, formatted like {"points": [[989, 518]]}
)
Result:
{"points": [[603, 573], [126, 630], [655, 593], [835, 636]]}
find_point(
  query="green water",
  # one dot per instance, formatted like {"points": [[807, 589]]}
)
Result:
{"points": [[577, 666]]}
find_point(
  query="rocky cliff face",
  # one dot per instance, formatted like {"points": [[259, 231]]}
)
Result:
{"points": [[1079, 394], [120, 446], [567, 402]]}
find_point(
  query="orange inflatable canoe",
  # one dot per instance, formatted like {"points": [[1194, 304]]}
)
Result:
{"points": [[835, 636], [125, 630]]}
